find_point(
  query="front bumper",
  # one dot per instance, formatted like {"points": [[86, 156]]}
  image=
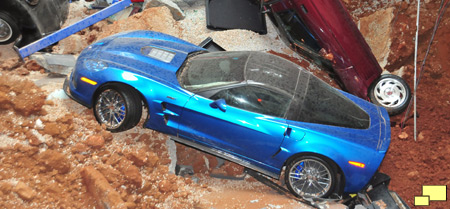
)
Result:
{"points": [[66, 88]]}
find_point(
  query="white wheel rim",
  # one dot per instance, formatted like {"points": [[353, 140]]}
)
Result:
{"points": [[390, 92]]}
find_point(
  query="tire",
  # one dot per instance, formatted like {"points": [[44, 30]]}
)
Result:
{"points": [[117, 106], [390, 92], [9, 29], [310, 176]]}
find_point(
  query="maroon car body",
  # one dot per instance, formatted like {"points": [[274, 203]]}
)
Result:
{"points": [[326, 27]]}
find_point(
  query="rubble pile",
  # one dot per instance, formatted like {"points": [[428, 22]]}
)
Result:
{"points": [[54, 158]]}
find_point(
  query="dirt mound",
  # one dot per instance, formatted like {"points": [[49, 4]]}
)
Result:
{"points": [[156, 19], [65, 159]]}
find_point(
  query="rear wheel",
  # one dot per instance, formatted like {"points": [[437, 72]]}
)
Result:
{"points": [[118, 107], [9, 29], [310, 176], [390, 92]]}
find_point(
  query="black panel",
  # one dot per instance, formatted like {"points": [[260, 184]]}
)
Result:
{"points": [[235, 14]]}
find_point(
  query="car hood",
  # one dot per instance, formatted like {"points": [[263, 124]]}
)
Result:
{"points": [[148, 53]]}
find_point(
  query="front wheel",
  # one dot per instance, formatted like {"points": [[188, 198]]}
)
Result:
{"points": [[118, 107], [390, 92], [310, 176]]}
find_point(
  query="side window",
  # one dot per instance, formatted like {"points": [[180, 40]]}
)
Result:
{"points": [[255, 99], [297, 30]]}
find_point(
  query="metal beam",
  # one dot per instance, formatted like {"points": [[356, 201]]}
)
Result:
{"points": [[67, 31]]}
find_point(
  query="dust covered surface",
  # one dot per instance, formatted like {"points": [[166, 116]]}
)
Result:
{"points": [[54, 154]]}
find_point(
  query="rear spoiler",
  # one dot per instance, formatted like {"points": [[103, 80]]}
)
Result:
{"points": [[210, 45]]}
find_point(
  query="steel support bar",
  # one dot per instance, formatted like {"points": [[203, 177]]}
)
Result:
{"points": [[67, 31]]}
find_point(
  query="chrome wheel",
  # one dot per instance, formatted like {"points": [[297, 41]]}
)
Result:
{"points": [[310, 177], [390, 92], [117, 106], [6, 31], [110, 109]]}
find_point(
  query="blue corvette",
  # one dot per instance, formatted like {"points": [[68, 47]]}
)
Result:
{"points": [[253, 108]]}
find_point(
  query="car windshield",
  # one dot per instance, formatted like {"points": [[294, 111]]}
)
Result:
{"points": [[215, 69], [212, 69]]}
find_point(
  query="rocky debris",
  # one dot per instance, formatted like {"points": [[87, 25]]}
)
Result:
{"points": [[131, 172], [5, 187], [99, 188], [54, 160], [10, 64], [403, 135], [15, 97], [156, 19], [24, 191], [73, 44], [95, 141], [175, 10]]}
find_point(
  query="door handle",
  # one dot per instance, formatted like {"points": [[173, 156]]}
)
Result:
{"points": [[287, 132]]}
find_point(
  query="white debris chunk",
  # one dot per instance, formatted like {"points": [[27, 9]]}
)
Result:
{"points": [[57, 94]]}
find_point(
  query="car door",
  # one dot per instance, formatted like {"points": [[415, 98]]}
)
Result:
{"points": [[245, 120]]}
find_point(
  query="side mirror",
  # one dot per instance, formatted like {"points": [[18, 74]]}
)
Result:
{"points": [[220, 103]]}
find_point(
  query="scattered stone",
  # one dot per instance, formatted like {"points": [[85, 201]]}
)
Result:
{"points": [[403, 135], [32, 139], [413, 175], [5, 187], [24, 191], [80, 148], [72, 45], [10, 64], [131, 172], [152, 159], [95, 141], [99, 188], [421, 136], [22, 71], [54, 160], [138, 158], [52, 129], [166, 186], [107, 136]]}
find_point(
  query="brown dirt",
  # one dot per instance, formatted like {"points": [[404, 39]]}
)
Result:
{"points": [[410, 163], [54, 154]]}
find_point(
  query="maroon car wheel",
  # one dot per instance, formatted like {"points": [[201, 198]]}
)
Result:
{"points": [[390, 92]]}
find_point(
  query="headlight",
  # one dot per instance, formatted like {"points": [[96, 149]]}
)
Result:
{"points": [[95, 65]]}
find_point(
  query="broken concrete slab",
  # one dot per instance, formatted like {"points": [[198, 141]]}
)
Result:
{"points": [[376, 29], [124, 14], [55, 63], [175, 10]]}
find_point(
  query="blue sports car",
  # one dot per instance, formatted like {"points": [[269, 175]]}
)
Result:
{"points": [[253, 108]]}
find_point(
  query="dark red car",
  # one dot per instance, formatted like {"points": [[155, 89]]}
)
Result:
{"points": [[325, 32]]}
